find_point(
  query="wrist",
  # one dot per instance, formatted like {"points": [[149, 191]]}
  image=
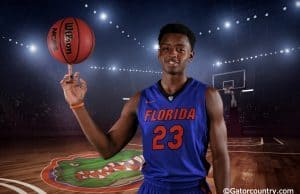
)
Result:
{"points": [[76, 106]]}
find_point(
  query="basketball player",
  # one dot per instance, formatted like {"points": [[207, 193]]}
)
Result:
{"points": [[178, 116]]}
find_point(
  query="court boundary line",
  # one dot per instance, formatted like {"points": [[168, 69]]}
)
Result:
{"points": [[34, 188], [255, 152], [135, 144], [278, 141], [256, 144], [13, 188]]}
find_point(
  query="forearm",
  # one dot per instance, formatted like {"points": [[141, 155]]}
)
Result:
{"points": [[95, 135], [221, 173]]}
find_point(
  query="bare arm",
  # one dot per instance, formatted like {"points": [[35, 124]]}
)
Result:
{"points": [[121, 132], [218, 140]]}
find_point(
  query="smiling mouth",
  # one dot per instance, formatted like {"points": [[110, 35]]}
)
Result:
{"points": [[133, 164], [172, 63]]}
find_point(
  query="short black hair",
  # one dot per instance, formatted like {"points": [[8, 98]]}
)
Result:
{"points": [[178, 28]]}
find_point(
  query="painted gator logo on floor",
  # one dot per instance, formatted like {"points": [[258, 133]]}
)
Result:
{"points": [[91, 173]]}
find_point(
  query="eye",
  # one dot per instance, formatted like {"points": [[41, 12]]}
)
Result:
{"points": [[73, 164], [164, 48], [180, 50]]}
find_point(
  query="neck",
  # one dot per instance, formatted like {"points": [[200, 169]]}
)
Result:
{"points": [[172, 83]]}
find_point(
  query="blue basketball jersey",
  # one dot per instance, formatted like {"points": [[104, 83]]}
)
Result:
{"points": [[175, 133]]}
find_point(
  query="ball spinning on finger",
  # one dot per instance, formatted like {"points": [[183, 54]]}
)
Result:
{"points": [[70, 41]]}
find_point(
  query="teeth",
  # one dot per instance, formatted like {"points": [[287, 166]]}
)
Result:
{"points": [[80, 172], [121, 163], [92, 171], [140, 160], [131, 162], [172, 62], [100, 171], [105, 168], [84, 177], [111, 164], [129, 169], [101, 177]]}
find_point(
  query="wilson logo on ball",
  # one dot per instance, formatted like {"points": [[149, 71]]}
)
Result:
{"points": [[68, 37], [70, 40]]}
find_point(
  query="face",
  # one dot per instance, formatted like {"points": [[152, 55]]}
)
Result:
{"points": [[175, 53]]}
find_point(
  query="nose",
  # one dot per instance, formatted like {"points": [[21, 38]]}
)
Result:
{"points": [[172, 51]]}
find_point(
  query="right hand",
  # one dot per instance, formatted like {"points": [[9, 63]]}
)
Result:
{"points": [[74, 88]]}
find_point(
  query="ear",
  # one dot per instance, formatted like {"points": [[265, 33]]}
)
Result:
{"points": [[192, 53]]}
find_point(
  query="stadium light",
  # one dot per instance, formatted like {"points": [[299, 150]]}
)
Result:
{"points": [[297, 3], [103, 16], [32, 48], [156, 46], [287, 50], [218, 63], [227, 24], [115, 68]]}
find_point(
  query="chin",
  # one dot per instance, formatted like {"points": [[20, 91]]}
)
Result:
{"points": [[173, 71]]}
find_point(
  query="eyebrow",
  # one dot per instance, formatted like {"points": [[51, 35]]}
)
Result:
{"points": [[171, 44]]}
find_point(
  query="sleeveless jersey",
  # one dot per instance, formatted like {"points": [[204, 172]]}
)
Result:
{"points": [[175, 133]]}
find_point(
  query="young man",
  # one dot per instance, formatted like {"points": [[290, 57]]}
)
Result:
{"points": [[178, 116]]}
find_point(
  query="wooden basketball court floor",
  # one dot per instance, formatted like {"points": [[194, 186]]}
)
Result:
{"points": [[256, 163]]}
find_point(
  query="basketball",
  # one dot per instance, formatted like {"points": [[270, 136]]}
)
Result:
{"points": [[70, 40]]}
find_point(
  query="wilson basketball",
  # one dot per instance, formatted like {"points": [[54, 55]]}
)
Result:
{"points": [[70, 40]]}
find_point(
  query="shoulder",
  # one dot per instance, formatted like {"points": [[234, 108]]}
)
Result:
{"points": [[198, 83], [135, 98], [150, 88], [211, 92], [214, 102]]}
